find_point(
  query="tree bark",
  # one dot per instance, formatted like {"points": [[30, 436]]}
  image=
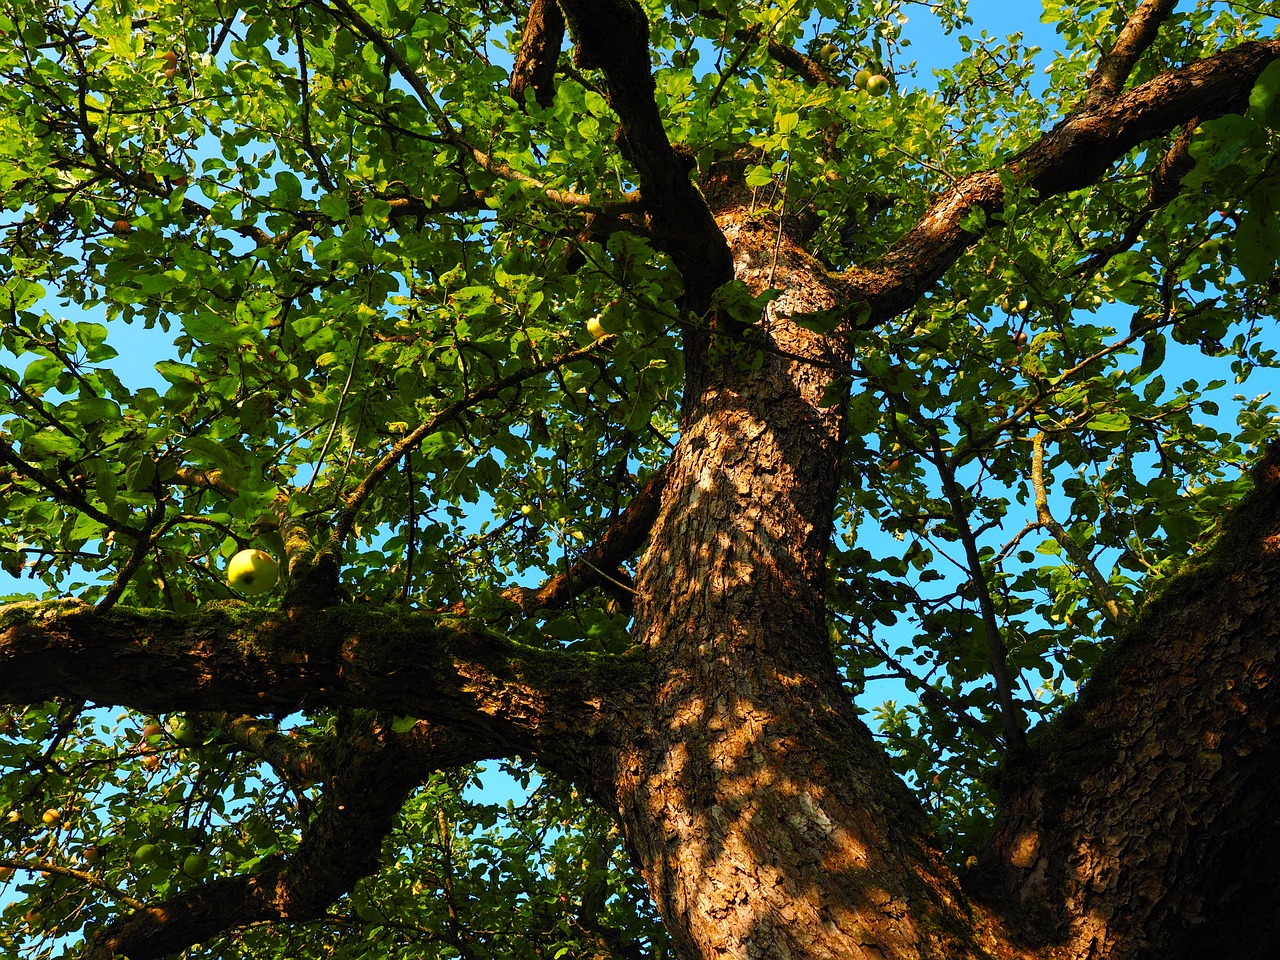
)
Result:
{"points": [[764, 817], [1145, 826]]}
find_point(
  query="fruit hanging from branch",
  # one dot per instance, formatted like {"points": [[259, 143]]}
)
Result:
{"points": [[252, 572]]}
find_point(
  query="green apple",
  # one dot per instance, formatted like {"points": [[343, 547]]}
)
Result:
{"points": [[861, 78], [146, 853], [829, 51], [182, 731], [878, 85], [252, 572], [195, 864]]}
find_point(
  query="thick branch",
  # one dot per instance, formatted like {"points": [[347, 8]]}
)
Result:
{"points": [[535, 64], [613, 36], [1135, 38], [506, 697], [1071, 156], [1176, 731], [370, 783]]}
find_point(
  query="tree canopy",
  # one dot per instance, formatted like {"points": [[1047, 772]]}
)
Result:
{"points": [[624, 389]]}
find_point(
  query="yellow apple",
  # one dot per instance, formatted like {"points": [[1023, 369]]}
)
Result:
{"points": [[252, 572], [52, 818], [596, 328]]}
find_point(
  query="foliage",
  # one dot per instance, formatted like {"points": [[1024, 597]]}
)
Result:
{"points": [[368, 257]]}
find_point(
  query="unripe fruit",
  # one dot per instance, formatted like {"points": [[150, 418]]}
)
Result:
{"points": [[146, 853], [878, 85], [252, 572], [195, 864], [829, 51], [184, 732], [861, 78]]}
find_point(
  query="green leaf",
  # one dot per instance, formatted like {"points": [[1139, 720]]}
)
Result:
{"points": [[289, 185], [1110, 422]]}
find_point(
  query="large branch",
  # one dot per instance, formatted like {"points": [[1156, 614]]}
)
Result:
{"points": [[1148, 808], [1134, 39], [613, 36], [535, 65], [1071, 156], [506, 697], [363, 795]]}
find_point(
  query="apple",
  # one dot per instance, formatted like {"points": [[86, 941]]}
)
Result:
{"points": [[151, 763], [152, 729], [195, 864], [170, 59], [878, 85], [122, 226], [596, 328], [861, 78], [829, 51], [182, 730], [252, 572], [52, 818], [92, 853], [6, 873], [146, 853]]}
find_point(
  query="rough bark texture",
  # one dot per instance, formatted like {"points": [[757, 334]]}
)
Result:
{"points": [[766, 820], [1145, 826], [535, 64]]}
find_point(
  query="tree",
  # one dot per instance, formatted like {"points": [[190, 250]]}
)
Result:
{"points": [[623, 388]]}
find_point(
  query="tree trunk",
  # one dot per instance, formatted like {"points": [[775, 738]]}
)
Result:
{"points": [[767, 821], [764, 817]]}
